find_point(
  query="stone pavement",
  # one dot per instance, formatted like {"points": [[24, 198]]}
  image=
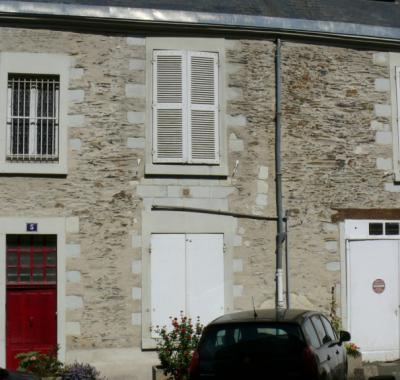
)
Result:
{"points": [[368, 370]]}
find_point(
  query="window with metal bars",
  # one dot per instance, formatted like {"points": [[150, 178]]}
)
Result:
{"points": [[31, 259], [33, 117]]}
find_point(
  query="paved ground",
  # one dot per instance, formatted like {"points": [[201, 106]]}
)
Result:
{"points": [[377, 369]]}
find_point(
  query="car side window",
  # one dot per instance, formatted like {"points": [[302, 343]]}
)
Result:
{"points": [[328, 328], [311, 333], [319, 327]]}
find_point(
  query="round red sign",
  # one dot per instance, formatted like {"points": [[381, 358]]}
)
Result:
{"points": [[378, 286]]}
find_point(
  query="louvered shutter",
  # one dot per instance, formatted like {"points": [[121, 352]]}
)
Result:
{"points": [[203, 108], [169, 88], [398, 105]]}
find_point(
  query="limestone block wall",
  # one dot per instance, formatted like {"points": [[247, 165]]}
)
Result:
{"points": [[337, 153]]}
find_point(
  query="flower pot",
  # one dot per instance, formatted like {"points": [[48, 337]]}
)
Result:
{"points": [[354, 365], [158, 373]]}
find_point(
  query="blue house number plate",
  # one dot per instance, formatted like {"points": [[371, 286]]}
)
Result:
{"points": [[31, 227]]}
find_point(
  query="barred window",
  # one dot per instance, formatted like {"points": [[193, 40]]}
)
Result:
{"points": [[33, 117]]}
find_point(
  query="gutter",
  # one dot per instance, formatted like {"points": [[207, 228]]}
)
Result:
{"points": [[139, 20]]}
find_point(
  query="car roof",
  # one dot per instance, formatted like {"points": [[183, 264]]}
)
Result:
{"points": [[265, 315]]}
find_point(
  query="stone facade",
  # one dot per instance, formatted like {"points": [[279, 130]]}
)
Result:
{"points": [[337, 153]]}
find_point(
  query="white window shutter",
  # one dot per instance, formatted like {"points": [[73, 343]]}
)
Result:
{"points": [[203, 112], [167, 263], [169, 103], [205, 276], [397, 77]]}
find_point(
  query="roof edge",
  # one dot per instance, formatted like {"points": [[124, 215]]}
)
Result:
{"points": [[216, 20]]}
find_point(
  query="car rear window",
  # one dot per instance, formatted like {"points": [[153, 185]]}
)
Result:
{"points": [[266, 337]]}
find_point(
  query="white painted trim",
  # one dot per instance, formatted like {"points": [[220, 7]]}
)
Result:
{"points": [[35, 63], [183, 222], [343, 276], [53, 226], [193, 44]]}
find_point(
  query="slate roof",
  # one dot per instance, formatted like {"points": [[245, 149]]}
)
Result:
{"points": [[367, 12]]}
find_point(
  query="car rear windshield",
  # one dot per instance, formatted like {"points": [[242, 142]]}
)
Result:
{"points": [[271, 338]]}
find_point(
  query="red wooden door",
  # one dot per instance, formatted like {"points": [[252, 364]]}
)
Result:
{"points": [[31, 302]]}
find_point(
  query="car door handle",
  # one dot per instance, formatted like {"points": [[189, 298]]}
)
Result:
{"points": [[337, 352], [328, 358]]}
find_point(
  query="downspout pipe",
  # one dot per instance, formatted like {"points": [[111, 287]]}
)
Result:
{"points": [[280, 236]]}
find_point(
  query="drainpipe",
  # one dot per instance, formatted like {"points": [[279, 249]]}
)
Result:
{"points": [[280, 236]]}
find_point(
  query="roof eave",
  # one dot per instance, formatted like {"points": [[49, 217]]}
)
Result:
{"points": [[137, 20]]}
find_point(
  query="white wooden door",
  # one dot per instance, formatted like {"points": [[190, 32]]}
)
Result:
{"points": [[205, 276], [374, 297], [187, 274], [168, 272]]}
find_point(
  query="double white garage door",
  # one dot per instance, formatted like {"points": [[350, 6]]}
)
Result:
{"points": [[187, 274]]}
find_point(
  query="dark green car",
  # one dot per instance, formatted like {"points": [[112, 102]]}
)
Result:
{"points": [[271, 344]]}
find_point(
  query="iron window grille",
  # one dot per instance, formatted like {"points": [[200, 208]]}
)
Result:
{"points": [[33, 117]]}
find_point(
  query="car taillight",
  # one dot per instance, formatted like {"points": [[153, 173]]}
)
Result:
{"points": [[194, 364], [310, 363]]}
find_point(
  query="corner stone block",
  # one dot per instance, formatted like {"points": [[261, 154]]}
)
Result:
{"points": [[236, 145], [73, 328], [263, 172], [238, 290], [137, 267], [261, 200], [75, 121], [331, 245], [135, 117], [137, 64], [237, 241], [136, 241], [382, 84], [136, 319], [73, 250], [381, 59], [237, 265], [333, 266], [75, 144], [74, 277], [262, 187], [384, 163], [136, 142], [76, 73], [392, 188], [234, 93], [236, 121], [135, 90], [73, 302], [382, 110], [384, 138], [72, 225], [137, 293], [136, 41], [76, 96]]}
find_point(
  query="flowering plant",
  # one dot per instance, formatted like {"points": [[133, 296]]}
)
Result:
{"points": [[175, 347], [352, 350], [81, 371], [40, 364]]}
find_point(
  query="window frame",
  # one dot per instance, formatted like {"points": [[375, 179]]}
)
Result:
{"points": [[31, 64], [212, 45], [394, 63]]}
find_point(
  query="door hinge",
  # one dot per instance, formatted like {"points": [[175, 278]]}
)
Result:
{"points": [[224, 248], [149, 249]]}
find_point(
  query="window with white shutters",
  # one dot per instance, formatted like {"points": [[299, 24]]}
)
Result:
{"points": [[32, 117], [185, 107]]}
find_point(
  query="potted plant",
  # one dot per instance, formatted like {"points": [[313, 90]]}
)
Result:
{"points": [[46, 366], [175, 346]]}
